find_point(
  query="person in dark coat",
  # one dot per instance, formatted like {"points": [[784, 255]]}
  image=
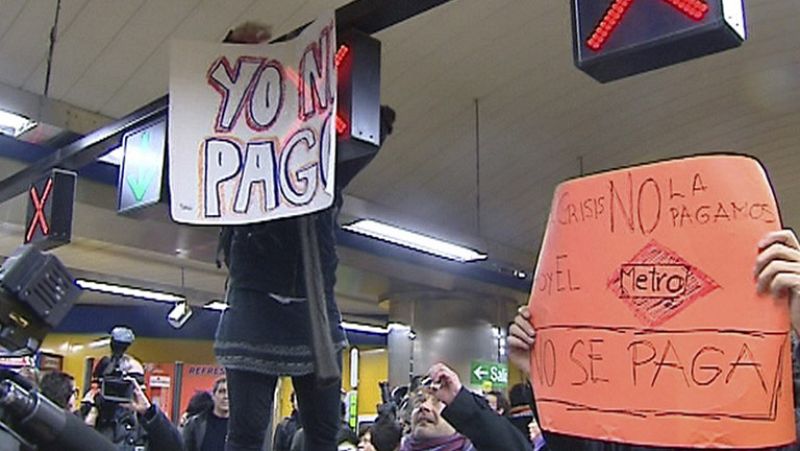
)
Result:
{"points": [[207, 430], [448, 417], [137, 425], [265, 332], [284, 433], [200, 402]]}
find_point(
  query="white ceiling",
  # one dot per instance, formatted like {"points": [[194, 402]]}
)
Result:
{"points": [[509, 60]]}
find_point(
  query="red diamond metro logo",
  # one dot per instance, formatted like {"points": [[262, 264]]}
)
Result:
{"points": [[657, 284]]}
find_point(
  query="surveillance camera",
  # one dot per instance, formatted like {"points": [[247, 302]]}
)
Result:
{"points": [[179, 314]]}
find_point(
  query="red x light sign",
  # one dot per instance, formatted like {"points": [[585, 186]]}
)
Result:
{"points": [[613, 39], [49, 219]]}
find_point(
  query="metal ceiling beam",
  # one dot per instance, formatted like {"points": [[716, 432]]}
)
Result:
{"points": [[81, 152], [369, 16], [50, 111]]}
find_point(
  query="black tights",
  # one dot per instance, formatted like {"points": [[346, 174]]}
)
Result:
{"points": [[250, 395]]}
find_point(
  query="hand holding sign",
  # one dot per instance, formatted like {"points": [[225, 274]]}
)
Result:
{"points": [[777, 270], [520, 339]]}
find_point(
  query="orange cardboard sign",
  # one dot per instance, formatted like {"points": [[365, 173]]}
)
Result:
{"points": [[649, 328]]}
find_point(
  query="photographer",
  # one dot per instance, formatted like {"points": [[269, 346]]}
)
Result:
{"points": [[118, 407]]}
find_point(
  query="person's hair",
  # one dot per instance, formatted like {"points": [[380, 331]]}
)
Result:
{"points": [[57, 387], [502, 402], [386, 435], [520, 395], [200, 402], [346, 435], [217, 383]]}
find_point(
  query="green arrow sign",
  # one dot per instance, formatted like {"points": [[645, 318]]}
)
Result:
{"points": [[142, 166], [481, 371], [140, 184]]}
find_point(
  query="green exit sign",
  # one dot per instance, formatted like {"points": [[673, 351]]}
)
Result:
{"points": [[481, 372]]}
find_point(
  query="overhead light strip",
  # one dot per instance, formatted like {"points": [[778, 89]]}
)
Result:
{"points": [[216, 305], [133, 292], [414, 240], [355, 327], [14, 124]]}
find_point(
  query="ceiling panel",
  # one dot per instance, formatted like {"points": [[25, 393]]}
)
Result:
{"points": [[147, 30], [69, 13], [538, 115], [82, 42], [25, 42]]}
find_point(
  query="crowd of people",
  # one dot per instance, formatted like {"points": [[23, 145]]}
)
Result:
{"points": [[436, 413]]}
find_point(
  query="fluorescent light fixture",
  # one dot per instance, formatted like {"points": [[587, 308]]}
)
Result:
{"points": [[133, 292], [354, 368], [114, 156], [101, 343], [414, 240], [13, 124], [217, 305], [355, 327]]}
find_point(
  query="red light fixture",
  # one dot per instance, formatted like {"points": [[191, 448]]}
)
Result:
{"points": [[341, 125], [341, 54], [39, 218], [695, 9]]}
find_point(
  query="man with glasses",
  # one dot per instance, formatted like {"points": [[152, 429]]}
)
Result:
{"points": [[448, 417]]}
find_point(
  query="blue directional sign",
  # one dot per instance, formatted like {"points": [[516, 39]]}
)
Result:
{"points": [[142, 169]]}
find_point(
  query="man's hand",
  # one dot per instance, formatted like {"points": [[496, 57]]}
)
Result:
{"points": [[446, 383], [777, 270], [249, 33], [139, 403], [521, 336], [534, 430]]}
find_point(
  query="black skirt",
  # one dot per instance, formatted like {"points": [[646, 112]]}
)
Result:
{"points": [[270, 335]]}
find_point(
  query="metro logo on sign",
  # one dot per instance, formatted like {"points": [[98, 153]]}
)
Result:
{"points": [[613, 39]]}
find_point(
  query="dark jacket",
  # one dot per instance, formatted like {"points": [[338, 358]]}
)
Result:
{"points": [[162, 435], [152, 429], [285, 432], [194, 431], [471, 416], [267, 256]]}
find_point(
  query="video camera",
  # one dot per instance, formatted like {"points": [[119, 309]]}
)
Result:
{"points": [[36, 292], [115, 382]]}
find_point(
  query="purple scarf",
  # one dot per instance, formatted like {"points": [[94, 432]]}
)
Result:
{"points": [[455, 442]]}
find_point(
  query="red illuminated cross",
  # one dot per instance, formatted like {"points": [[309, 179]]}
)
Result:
{"points": [[695, 9], [38, 205], [341, 123]]}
